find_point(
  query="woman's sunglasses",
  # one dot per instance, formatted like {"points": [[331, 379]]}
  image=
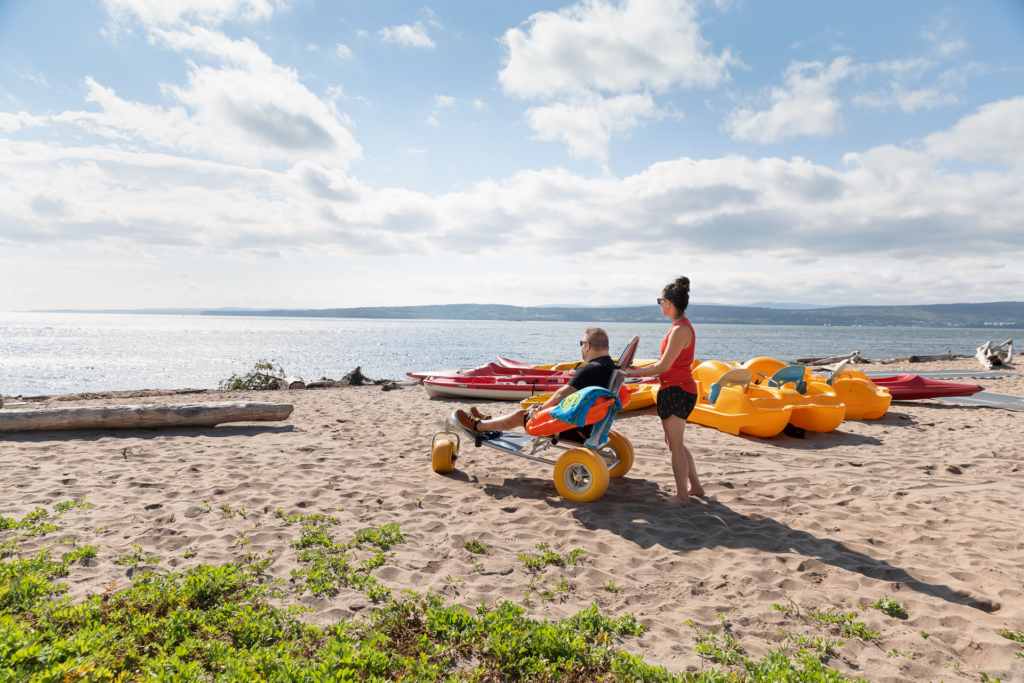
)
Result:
{"points": [[661, 301]]}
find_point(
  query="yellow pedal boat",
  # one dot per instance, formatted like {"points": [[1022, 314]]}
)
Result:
{"points": [[643, 395], [816, 406], [864, 400], [734, 410]]}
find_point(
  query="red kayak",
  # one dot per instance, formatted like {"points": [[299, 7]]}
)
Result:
{"points": [[509, 363], [498, 388], [912, 387], [490, 370]]}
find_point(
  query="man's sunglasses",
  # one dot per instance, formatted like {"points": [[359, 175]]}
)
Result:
{"points": [[582, 342]]}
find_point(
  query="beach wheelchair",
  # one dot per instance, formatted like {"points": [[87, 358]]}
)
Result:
{"points": [[583, 471]]}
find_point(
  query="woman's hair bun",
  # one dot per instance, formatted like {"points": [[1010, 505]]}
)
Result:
{"points": [[678, 292]]}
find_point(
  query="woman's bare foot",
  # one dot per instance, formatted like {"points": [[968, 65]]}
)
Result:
{"points": [[680, 499], [697, 492]]}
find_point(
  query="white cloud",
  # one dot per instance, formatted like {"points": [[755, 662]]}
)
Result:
{"points": [[994, 133], [613, 47], [938, 33], [246, 110], [903, 93], [414, 35], [10, 123], [432, 18], [343, 51], [413, 150], [804, 106], [595, 67], [168, 13], [587, 123], [311, 47], [889, 203], [442, 102]]}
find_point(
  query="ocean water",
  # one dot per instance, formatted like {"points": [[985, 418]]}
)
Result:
{"points": [[45, 353]]}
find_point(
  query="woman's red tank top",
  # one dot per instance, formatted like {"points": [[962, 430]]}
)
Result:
{"points": [[679, 374]]}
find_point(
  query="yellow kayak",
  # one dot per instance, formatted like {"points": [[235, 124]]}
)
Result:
{"points": [[644, 395]]}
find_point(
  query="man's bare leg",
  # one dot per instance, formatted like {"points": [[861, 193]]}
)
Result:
{"points": [[503, 423]]}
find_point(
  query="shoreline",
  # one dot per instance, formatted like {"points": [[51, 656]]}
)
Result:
{"points": [[899, 367]]}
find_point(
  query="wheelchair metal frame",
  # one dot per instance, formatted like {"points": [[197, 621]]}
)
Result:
{"points": [[525, 446]]}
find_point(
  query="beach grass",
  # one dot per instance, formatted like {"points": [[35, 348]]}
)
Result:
{"points": [[215, 622]]}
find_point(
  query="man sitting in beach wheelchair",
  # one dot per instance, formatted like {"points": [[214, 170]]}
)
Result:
{"points": [[576, 419]]}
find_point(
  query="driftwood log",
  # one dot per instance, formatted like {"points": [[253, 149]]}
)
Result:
{"points": [[850, 357], [152, 416], [992, 356], [291, 383], [930, 357]]}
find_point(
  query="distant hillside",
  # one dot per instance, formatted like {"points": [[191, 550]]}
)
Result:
{"points": [[999, 315], [158, 311], [788, 305]]}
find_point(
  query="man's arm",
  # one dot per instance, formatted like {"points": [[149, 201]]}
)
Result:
{"points": [[557, 397]]}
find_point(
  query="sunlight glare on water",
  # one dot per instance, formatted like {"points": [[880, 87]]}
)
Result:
{"points": [[49, 353]]}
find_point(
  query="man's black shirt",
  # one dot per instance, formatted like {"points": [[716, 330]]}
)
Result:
{"points": [[596, 373]]}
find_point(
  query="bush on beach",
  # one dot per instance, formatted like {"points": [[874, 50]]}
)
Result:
{"points": [[262, 377]]}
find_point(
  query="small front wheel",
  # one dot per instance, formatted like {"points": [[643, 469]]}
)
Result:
{"points": [[581, 475], [623, 450], [442, 455]]}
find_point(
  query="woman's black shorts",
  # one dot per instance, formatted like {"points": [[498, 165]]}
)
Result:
{"points": [[675, 401]]}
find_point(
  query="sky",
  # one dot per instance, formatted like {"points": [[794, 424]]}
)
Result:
{"points": [[305, 154]]}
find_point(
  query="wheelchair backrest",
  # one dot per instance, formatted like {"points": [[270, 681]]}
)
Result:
{"points": [[625, 360], [614, 385], [628, 353]]}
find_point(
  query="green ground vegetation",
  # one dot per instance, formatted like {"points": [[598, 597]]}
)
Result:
{"points": [[225, 623], [217, 623], [474, 545], [887, 605]]}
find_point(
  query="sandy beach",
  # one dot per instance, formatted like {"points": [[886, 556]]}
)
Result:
{"points": [[922, 505]]}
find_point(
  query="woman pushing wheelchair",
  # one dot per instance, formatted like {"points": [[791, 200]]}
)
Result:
{"points": [[678, 394]]}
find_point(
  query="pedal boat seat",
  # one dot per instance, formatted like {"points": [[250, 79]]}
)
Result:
{"points": [[741, 377]]}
